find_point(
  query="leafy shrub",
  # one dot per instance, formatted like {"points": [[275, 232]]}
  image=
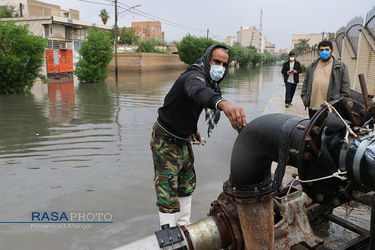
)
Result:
{"points": [[192, 48], [95, 55], [21, 58], [149, 46]]}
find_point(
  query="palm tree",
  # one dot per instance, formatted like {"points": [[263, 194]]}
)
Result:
{"points": [[104, 15]]}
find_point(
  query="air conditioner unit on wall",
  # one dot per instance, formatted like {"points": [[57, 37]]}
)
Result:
{"points": [[64, 45]]}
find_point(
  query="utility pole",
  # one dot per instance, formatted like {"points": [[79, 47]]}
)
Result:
{"points": [[116, 67], [207, 32], [260, 30]]}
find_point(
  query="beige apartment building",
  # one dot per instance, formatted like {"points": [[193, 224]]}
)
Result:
{"points": [[230, 40], [250, 36], [63, 29]]}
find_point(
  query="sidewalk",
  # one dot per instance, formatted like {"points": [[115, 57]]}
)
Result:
{"points": [[278, 102]]}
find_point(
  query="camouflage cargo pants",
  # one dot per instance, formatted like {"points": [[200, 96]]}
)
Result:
{"points": [[174, 169]]}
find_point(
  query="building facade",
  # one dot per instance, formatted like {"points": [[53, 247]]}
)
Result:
{"points": [[251, 36], [271, 47], [313, 39], [63, 29], [230, 40], [148, 30]]}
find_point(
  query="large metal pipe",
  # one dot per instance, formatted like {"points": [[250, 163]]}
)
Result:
{"points": [[360, 160], [257, 223], [264, 140], [203, 234], [260, 143]]}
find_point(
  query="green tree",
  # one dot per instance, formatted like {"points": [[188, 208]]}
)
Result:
{"points": [[104, 15], [149, 46], [242, 55], [247, 55], [302, 47], [95, 55], [256, 58], [7, 11], [192, 48], [268, 58], [283, 57], [21, 58], [128, 37]]}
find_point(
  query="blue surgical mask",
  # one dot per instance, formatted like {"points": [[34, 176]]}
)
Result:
{"points": [[217, 72], [325, 55]]}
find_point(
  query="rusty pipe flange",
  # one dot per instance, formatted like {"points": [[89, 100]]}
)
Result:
{"points": [[249, 191], [225, 214], [310, 164]]}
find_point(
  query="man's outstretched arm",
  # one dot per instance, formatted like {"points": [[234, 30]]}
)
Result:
{"points": [[234, 113]]}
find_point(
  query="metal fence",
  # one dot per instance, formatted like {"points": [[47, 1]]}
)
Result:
{"points": [[353, 31], [370, 22], [340, 34]]}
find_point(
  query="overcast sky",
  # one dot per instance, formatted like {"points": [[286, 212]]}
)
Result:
{"points": [[280, 19]]}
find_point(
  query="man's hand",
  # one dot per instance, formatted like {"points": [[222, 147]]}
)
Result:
{"points": [[235, 114], [196, 139]]}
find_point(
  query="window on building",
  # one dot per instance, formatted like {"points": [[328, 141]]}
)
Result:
{"points": [[46, 31], [77, 45], [152, 28], [148, 28], [53, 44], [144, 35]]}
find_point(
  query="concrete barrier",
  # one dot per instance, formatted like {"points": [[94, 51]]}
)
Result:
{"points": [[140, 62]]}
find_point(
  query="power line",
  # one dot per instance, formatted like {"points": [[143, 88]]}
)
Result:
{"points": [[96, 13], [171, 24], [147, 15], [213, 35], [95, 2]]}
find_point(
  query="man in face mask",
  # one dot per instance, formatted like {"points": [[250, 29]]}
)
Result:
{"points": [[290, 70], [327, 79], [196, 89]]}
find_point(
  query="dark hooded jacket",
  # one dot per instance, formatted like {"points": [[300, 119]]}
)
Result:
{"points": [[192, 91]]}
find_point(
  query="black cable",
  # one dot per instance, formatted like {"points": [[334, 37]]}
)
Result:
{"points": [[165, 21], [95, 2]]}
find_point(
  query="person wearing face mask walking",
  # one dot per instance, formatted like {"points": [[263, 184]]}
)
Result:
{"points": [[327, 79], [291, 70], [175, 129]]}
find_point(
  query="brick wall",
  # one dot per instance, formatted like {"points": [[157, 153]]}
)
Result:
{"points": [[350, 63], [366, 65]]}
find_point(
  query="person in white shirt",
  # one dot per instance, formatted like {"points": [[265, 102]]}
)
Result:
{"points": [[291, 70]]}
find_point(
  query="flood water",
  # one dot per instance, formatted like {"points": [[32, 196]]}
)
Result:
{"points": [[84, 148]]}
